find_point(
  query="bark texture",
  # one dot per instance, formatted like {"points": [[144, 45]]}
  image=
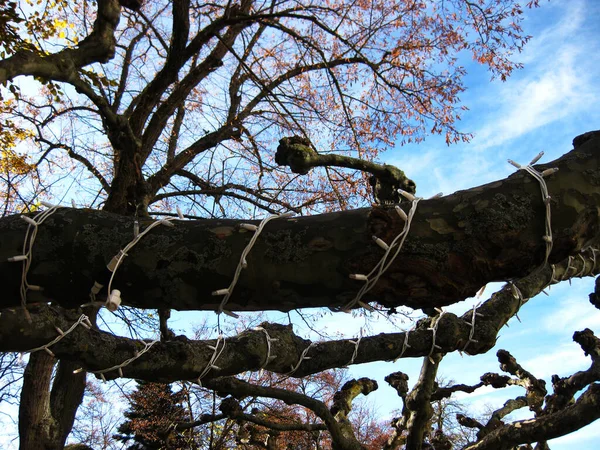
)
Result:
{"points": [[456, 245], [46, 415], [184, 359]]}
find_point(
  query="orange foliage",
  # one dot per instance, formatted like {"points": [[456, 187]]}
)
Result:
{"points": [[356, 77]]}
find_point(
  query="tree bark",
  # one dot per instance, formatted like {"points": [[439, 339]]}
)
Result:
{"points": [[583, 412], [456, 245], [36, 425], [46, 415], [184, 359]]}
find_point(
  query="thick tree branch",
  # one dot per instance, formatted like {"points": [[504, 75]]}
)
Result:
{"points": [[66, 396], [418, 410], [456, 245], [35, 402], [399, 381], [99, 46], [342, 403], [560, 414], [566, 388], [536, 388], [142, 106], [341, 439], [210, 140], [96, 350], [232, 409]]}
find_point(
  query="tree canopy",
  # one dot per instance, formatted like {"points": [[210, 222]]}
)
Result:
{"points": [[228, 111]]}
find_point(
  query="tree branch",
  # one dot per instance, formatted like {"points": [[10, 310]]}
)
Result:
{"points": [[99, 46], [97, 350], [239, 388], [456, 245], [298, 153], [418, 410], [583, 412]]}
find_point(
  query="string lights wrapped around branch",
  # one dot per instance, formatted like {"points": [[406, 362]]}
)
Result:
{"points": [[83, 321], [566, 272], [356, 344], [517, 294], [226, 293], [582, 272], [405, 343], [26, 256], [388, 257], [433, 328], [113, 300], [119, 367], [215, 356], [593, 250], [269, 356], [539, 176], [474, 315], [302, 358]]}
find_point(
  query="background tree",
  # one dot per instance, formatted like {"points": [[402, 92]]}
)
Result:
{"points": [[190, 100], [153, 412]]}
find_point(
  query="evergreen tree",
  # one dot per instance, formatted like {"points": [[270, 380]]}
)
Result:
{"points": [[154, 408]]}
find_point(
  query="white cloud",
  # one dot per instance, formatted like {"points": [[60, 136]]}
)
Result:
{"points": [[572, 314], [559, 81], [585, 438], [420, 163], [557, 85], [571, 19], [537, 101], [564, 360]]}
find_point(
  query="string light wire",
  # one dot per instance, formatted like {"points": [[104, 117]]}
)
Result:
{"points": [[373, 276], [356, 344], [474, 315], [83, 320], [539, 176], [269, 356], [433, 328], [27, 255], [215, 356], [405, 343], [301, 359], [113, 299], [243, 263], [119, 367]]}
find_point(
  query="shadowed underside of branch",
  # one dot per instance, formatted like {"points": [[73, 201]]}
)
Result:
{"points": [[185, 359]]}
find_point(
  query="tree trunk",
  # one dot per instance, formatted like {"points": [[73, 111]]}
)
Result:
{"points": [[46, 416], [37, 429]]}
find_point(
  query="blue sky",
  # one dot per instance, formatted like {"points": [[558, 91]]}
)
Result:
{"points": [[541, 107]]}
